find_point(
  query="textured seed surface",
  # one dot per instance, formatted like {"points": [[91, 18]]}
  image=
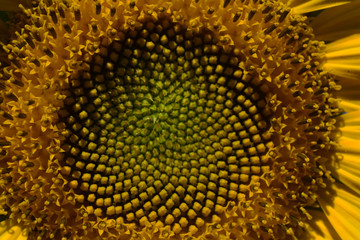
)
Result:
{"points": [[163, 127]]}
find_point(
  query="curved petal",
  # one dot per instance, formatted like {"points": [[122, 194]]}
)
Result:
{"points": [[351, 131], [349, 145], [348, 171], [342, 207], [343, 69], [350, 106], [305, 6], [352, 122], [343, 57], [320, 228]]}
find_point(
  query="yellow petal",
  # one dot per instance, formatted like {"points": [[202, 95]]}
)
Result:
{"points": [[349, 145], [320, 227], [350, 42], [350, 106], [351, 71], [351, 131], [337, 22], [305, 6], [342, 207], [343, 57], [345, 52], [347, 170], [352, 122]]}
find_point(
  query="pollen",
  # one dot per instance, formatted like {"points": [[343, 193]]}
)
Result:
{"points": [[149, 120]]}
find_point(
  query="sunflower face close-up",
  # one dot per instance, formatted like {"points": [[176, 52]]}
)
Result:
{"points": [[203, 119]]}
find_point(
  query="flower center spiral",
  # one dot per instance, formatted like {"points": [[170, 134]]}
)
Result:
{"points": [[163, 127]]}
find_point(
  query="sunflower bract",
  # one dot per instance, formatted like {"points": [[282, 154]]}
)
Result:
{"points": [[170, 119]]}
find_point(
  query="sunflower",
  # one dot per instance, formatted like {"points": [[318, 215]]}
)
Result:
{"points": [[185, 119]]}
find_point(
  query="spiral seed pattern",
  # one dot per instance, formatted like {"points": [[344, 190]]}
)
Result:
{"points": [[163, 127]]}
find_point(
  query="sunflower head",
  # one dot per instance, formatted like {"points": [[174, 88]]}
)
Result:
{"points": [[171, 119]]}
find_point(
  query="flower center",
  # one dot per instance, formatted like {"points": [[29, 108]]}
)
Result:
{"points": [[164, 127]]}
